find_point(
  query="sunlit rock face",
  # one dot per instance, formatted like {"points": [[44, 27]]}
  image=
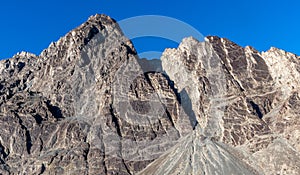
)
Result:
{"points": [[89, 105]]}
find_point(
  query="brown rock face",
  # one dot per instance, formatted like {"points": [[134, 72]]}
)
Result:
{"points": [[89, 105]]}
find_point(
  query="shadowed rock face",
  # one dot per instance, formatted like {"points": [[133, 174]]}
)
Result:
{"points": [[89, 105]]}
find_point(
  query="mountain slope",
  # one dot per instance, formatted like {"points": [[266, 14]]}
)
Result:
{"points": [[89, 105]]}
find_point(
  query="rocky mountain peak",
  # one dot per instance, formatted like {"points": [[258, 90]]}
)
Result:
{"points": [[101, 25], [25, 55], [89, 105]]}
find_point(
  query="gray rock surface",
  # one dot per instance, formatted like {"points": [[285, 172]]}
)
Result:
{"points": [[88, 105]]}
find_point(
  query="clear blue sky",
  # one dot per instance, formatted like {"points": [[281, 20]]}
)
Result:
{"points": [[31, 25]]}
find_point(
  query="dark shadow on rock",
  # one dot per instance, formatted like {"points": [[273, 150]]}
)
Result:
{"points": [[92, 32], [183, 98], [55, 111], [38, 118], [186, 105], [256, 109]]}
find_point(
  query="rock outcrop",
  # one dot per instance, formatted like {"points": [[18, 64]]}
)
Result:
{"points": [[89, 105]]}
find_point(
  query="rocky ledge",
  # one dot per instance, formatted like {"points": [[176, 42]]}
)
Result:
{"points": [[89, 105]]}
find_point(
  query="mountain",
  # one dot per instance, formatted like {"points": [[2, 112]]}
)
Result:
{"points": [[88, 105]]}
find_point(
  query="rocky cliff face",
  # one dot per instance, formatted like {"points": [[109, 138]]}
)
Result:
{"points": [[89, 105]]}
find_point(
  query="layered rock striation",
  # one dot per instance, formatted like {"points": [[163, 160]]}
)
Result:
{"points": [[89, 105]]}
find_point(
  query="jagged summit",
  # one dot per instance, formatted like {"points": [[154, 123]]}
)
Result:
{"points": [[277, 51], [79, 37], [88, 105], [24, 54]]}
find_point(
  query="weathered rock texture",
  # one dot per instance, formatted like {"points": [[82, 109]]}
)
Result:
{"points": [[89, 105]]}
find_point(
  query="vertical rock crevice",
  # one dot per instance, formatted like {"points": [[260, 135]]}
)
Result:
{"points": [[27, 134], [75, 75]]}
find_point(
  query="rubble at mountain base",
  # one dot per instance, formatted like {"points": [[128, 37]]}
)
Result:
{"points": [[89, 105]]}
